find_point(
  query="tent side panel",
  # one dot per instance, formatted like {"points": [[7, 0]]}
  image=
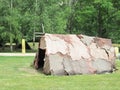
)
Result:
{"points": [[54, 65]]}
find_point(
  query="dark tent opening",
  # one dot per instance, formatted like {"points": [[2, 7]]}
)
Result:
{"points": [[41, 56]]}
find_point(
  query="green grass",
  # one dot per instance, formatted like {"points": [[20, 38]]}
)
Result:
{"points": [[16, 74]]}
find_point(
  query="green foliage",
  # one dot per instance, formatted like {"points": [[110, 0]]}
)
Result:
{"points": [[97, 18], [92, 17]]}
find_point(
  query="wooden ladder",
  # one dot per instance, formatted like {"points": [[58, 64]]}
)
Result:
{"points": [[37, 34]]}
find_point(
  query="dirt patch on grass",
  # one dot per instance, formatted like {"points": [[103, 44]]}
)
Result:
{"points": [[29, 70]]}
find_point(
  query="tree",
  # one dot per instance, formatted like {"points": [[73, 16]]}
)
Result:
{"points": [[95, 17], [4, 31], [20, 18]]}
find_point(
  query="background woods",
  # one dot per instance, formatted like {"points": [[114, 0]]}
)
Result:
{"points": [[20, 18]]}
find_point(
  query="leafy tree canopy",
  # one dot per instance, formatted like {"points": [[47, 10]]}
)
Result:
{"points": [[19, 18]]}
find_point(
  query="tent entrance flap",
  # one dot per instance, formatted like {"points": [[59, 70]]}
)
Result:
{"points": [[41, 58]]}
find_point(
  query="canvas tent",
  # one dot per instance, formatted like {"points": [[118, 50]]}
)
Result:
{"points": [[74, 54]]}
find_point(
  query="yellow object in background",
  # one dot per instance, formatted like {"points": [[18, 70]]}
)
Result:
{"points": [[23, 46], [116, 50]]}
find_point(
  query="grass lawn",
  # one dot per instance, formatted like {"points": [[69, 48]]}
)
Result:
{"points": [[16, 74]]}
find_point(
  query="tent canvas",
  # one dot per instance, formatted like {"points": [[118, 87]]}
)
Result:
{"points": [[60, 54]]}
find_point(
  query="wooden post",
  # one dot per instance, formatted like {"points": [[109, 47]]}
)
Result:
{"points": [[116, 50], [23, 46]]}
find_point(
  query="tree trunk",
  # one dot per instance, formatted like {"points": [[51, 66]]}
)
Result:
{"points": [[99, 22], [11, 46]]}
